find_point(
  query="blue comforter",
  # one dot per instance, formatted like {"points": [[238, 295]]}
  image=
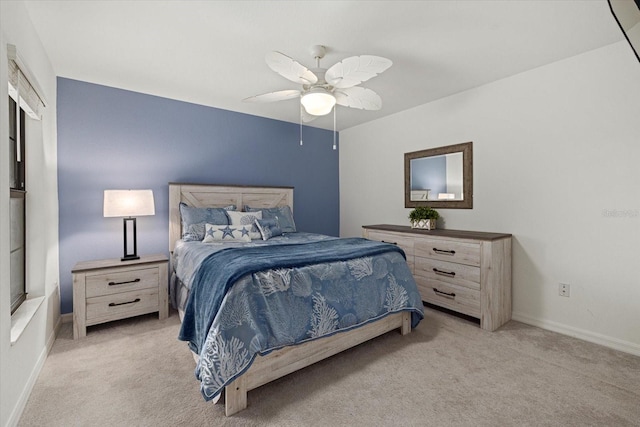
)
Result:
{"points": [[252, 300]]}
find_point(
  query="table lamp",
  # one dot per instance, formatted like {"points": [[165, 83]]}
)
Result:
{"points": [[128, 204]]}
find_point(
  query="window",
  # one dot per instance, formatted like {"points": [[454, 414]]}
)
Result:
{"points": [[17, 205], [25, 103]]}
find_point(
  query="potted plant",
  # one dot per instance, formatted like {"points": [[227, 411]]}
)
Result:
{"points": [[424, 217]]}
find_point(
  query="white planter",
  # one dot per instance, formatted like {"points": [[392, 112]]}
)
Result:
{"points": [[424, 224]]}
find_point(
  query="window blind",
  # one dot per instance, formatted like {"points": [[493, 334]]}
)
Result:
{"points": [[21, 89]]}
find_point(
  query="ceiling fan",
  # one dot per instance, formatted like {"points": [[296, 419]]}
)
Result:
{"points": [[323, 88]]}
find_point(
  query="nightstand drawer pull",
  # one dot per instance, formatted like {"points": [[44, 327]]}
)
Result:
{"points": [[393, 243], [442, 251], [123, 283], [114, 304], [444, 294], [444, 273]]}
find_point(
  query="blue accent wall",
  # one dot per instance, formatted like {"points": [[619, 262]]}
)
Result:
{"points": [[116, 139], [429, 173]]}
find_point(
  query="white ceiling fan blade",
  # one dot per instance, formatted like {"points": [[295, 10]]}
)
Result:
{"points": [[358, 97], [290, 69], [274, 96], [355, 70]]}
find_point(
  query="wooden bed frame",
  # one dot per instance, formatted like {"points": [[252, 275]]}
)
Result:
{"points": [[289, 359]]}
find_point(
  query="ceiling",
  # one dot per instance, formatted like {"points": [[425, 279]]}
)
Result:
{"points": [[212, 52]]}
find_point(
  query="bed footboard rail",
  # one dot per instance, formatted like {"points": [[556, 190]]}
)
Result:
{"points": [[290, 359]]}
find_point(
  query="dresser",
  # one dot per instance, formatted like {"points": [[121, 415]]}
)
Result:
{"points": [[465, 271], [111, 289]]}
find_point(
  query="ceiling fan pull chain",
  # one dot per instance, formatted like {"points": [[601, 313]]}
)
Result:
{"points": [[334, 127], [301, 125]]}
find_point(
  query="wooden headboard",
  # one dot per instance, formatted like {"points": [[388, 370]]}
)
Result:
{"points": [[218, 196]]}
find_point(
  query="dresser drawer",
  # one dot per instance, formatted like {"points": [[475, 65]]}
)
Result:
{"points": [[411, 266], [119, 306], [117, 281], [405, 242], [448, 272], [453, 297], [448, 250]]}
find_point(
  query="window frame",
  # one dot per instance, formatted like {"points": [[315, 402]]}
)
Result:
{"points": [[17, 190]]}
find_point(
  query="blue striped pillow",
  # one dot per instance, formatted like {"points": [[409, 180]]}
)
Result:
{"points": [[282, 214], [268, 228]]}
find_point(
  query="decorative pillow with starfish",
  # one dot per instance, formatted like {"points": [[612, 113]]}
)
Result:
{"points": [[227, 233]]}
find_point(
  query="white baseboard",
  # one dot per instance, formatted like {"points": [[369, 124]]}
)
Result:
{"points": [[67, 318], [33, 377], [52, 338], [614, 343]]}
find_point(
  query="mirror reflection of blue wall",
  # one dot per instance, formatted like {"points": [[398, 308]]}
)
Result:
{"points": [[429, 173]]}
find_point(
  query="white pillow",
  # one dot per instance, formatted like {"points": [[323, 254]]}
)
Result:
{"points": [[226, 233], [248, 219]]}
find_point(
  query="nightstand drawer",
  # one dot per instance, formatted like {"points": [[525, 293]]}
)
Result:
{"points": [[447, 250], [117, 281], [118, 306], [453, 297], [448, 272]]}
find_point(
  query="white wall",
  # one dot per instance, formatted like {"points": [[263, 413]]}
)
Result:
{"points": [[21, 362], [556, 153]]}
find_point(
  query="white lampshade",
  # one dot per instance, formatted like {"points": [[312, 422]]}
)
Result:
{"points": [[128, 203], [318, 102]]}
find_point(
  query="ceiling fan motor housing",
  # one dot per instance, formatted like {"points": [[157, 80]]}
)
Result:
{"points": [[318, 51]]}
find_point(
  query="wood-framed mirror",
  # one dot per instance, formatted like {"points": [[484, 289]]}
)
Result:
{"points": [[439, 177]]}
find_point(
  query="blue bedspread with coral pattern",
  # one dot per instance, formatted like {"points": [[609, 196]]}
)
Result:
{"points": [[253, 300]]}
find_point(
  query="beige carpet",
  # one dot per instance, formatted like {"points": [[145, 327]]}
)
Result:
{"points": [[447, 372]]}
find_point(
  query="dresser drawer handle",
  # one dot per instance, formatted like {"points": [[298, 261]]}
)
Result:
{"points": [[443, 252], [444, 294], [123, 283], [114, 304], [393, 243], [444, 273]]}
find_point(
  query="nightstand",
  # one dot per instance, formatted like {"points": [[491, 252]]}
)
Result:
{"points": [[111, 289]]}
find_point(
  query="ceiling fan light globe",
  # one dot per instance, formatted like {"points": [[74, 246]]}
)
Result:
{"points": [[318, 103]]}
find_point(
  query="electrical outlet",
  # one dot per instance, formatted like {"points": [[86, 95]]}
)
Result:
{"points": [[564, 290]]}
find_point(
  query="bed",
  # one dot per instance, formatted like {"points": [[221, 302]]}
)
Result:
{"points": [[197, 266]]}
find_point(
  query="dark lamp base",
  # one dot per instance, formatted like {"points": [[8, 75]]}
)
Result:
{"points": [[130, 256]]}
